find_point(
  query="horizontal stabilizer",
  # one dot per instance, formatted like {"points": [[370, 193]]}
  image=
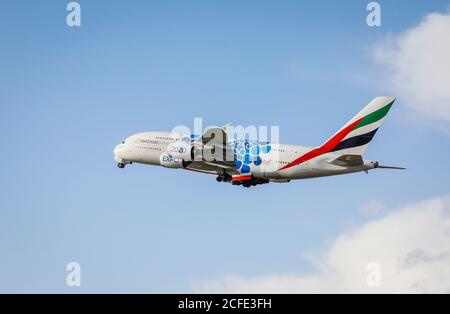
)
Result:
{"points": [[348, 161]]}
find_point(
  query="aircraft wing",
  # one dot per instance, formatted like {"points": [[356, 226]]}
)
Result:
{"points": [[208, 168], [213, 153]]}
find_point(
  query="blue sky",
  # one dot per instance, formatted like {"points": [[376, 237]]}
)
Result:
{"points": [[69, 95]]}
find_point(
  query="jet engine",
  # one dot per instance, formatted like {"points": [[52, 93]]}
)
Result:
{"points": [[170, 162], [181, 150]]}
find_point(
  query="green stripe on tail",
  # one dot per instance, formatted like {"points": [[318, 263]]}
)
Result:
{"points": [[375, 116]]}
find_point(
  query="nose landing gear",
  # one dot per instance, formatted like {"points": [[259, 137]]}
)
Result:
{"points": [[121, 165]]}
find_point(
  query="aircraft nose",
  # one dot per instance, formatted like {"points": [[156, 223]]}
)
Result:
{"points": [[118, 149], [118, 153]]}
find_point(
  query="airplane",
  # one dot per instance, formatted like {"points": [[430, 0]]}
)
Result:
{"points": [[249, 163]]}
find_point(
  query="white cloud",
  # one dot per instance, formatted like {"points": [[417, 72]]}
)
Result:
{"points": [[410, 245], [416, 66]]}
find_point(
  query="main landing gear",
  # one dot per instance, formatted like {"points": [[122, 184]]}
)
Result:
{"points": [[224, 178], [246, 184], [249, 183]]}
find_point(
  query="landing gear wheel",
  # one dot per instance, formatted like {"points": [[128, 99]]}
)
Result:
{"points": [[121, 165], [227, 178], [219, 179], [247, 185]]}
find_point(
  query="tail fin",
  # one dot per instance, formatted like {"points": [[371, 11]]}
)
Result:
{"points": [[355, 136]]}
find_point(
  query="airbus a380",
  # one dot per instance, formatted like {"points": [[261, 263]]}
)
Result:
{"points": [[250, 163]]}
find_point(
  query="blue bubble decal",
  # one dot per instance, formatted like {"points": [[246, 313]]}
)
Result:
{"points": [[255, 150], [245, 169], [248, 154], [266, 149]]}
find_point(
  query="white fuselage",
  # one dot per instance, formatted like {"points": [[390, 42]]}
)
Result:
{"points": [[149, 147]]}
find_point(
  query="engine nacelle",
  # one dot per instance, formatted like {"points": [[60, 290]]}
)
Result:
{"points": [[170, 162], [181, 150]]}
